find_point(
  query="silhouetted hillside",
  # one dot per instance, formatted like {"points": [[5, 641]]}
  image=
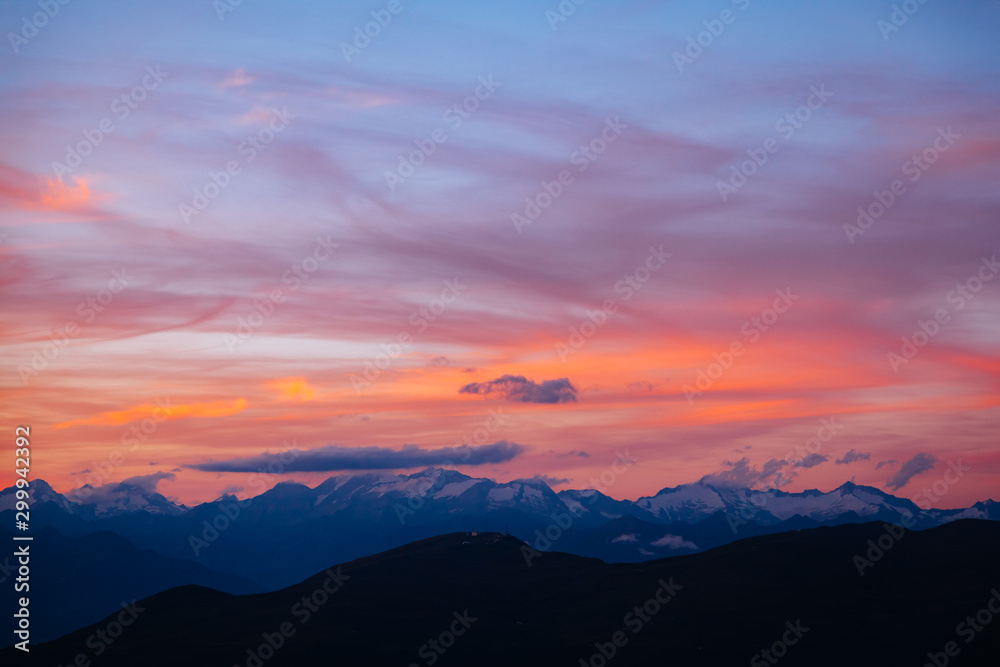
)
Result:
{"points": [[724, 606]]}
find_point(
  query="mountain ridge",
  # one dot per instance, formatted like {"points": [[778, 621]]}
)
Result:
{"points": [[718, 607], [340, 490], [277, 537]]}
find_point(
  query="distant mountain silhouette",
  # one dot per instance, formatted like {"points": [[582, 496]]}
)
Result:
{"points": [[291, 530], [719, 607], [76, 581]]}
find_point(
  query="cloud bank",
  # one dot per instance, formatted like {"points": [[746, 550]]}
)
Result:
{"points": [[334, 457]]}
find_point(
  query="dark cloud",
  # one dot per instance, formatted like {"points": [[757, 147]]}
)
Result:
{"points": [[148, 482], [884, 463], [333, 457], [812, 461], [519, 388], [574, 452], [552, 481], [742, 475], [854, 455], [922, 462]]}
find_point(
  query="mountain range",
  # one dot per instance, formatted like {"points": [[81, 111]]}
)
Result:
{"points": [[485, 599], [283, 535], [428, 495]]}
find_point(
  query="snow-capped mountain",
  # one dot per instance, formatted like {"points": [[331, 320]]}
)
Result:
{"points": [[88, 501], [436, 493], [123, 498], [695, 502], [447, 491], [39, 492], [594, 505], [292, 530]]}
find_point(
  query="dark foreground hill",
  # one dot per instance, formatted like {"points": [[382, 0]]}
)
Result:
{"points": [[470, 600]]}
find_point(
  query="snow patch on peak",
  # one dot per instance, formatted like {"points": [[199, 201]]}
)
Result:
{"points": [[454, 489]]}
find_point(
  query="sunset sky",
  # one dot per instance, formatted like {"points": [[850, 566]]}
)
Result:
{"points": [[222, 235]]}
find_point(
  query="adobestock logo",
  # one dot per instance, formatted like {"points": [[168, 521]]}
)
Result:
{"points": [[753, 329], [363, 36], [31, 25]]}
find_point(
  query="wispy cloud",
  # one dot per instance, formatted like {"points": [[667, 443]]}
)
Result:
{"points": [[812, 460], [627, 537], [163, 410], [922, 462], [674, 542], [852, 456]]}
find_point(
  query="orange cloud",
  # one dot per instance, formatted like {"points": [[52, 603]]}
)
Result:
{"points": [[214, 409], [62, 197], [37, 192], [295, 388]]}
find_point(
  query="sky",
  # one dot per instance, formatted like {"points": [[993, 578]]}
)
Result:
{"points": [[740, 240]]}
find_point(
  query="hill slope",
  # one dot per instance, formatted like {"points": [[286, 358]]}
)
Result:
{"points": [[727, 605]]}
